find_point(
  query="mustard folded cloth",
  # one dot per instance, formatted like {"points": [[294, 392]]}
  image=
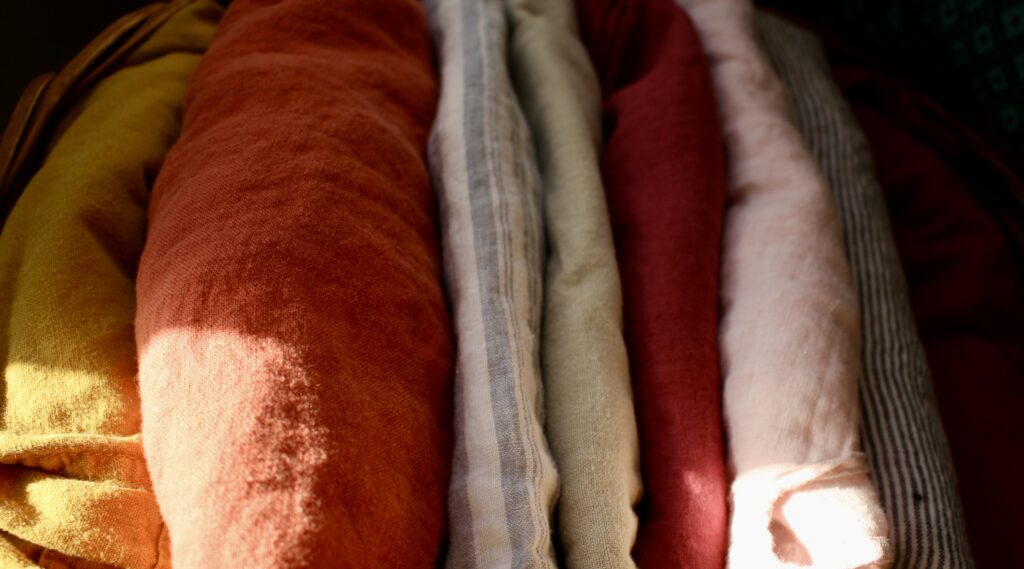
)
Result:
{"points": [[588, 398], [74, 490]]}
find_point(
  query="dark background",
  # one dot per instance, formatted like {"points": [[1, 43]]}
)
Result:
{"points": [[931, 43], [37, 36]]}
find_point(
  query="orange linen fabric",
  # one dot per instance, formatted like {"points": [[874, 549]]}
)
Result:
{"points": [[295, 348]]}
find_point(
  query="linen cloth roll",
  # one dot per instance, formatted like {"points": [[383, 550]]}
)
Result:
{"points": [[295, 348], [664, 174], [591, 425], [790, 332], [504, 482], [74, 488]]}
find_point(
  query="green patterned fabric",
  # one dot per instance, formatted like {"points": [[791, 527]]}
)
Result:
{"points": [[968, 54]]}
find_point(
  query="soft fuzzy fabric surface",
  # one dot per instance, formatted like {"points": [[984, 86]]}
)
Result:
{"points": [[790, 335]]}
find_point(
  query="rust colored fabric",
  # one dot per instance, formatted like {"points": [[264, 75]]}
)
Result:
{"points": [[664, 174], [966, 281], [295, 347]]}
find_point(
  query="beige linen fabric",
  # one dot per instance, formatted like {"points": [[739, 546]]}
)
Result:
{"points": [[591, 425]]}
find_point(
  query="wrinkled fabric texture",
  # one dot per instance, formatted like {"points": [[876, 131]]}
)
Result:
{"points": [[590, 419], [295, 349], [790, 333], [504, 483], [965, 276], [902, 435], [664, 174], [74, 489]]}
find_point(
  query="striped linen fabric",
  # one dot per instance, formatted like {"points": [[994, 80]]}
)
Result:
{"points": [[901, 430], [504, 482]]}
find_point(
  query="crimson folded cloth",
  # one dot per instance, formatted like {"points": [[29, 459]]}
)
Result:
{"points": [[295, 350], [664, 173]]}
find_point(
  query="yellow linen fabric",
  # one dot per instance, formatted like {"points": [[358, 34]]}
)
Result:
{"points": [[74, 491]]}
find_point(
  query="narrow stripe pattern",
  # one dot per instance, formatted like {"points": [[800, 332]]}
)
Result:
{"points": [[900, 426], [504, 483]]}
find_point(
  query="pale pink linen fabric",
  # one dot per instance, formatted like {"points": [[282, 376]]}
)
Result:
{"points": [[790, 344]]}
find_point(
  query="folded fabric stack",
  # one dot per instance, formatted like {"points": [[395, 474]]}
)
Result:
{"points": [[499, 284]]}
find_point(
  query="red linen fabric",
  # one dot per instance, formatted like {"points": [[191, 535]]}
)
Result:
{"points": [[664, 174], [295, 348], [966, 282]]}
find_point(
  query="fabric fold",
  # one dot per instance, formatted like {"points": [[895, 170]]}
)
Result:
{"points": [[807, 516], [74, 488], [790, 331], [504, 483], [295, 347], [664, 173], [590, 419]]}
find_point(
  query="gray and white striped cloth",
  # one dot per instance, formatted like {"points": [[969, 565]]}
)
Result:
{"points": [[504, 483], [901, 430]]}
